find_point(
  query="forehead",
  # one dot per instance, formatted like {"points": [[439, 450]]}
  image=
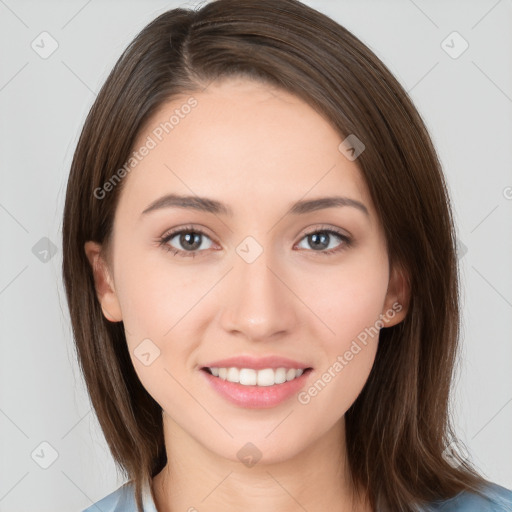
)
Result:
{"points": [[244, 141]]}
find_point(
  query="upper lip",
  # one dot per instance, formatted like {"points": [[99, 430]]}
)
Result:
{"points": [[257, 363]]}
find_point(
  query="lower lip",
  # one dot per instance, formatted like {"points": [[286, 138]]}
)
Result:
{"points": [[256, 397]]}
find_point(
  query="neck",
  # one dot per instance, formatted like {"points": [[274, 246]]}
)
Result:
{"points": [[195, 478]]}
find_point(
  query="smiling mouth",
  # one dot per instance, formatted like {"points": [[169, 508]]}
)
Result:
{"points": [[259, 378]]}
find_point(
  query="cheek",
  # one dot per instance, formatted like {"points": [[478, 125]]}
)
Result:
{"points": [[161, 304], [348, 298], [154, 294], [349, 302]]}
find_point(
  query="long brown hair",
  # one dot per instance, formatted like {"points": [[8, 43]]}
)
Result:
{"points": [[399, 427]]}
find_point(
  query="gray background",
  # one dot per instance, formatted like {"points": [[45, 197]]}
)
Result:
{"points": [[465, 101]]}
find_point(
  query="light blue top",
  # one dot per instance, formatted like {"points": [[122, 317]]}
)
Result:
{"points": [[498, 499]]}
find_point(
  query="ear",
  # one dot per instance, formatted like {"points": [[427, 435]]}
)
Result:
{"points": [[103, 282], [396, 303]]}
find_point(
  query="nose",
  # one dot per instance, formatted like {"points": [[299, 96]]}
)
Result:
{"points": [[258, 303]]}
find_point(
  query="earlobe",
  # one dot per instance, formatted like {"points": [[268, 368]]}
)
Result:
{"points": [[396, 304], [103, 283]]}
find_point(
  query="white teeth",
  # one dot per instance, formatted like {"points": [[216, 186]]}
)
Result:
{"points": [[250, 377], [280, 376], [247, 377], [266, 377], [233, 375]]}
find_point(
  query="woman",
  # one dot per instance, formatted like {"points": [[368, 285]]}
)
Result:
{"points": [[259, 260]]}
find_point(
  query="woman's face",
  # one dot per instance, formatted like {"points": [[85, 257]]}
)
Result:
{"points": [[264, 279]]}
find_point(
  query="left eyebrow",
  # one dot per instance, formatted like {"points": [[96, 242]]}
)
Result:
{"points": [[306, 206], [205, 204]]}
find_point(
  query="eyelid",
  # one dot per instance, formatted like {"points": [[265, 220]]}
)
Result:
{"points": [[325, 227], [197, 228]]}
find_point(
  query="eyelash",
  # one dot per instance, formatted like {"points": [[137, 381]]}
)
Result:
{"points": [[164, 239]]}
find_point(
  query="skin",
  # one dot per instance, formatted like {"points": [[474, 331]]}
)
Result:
{"points": [[258, 150]]}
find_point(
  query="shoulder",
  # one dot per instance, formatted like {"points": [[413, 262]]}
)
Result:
{"points": [[123, 500], [494, 498]]}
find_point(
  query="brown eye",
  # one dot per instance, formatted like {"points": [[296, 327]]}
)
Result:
{"points": [[186, 242], [321, 241]]}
